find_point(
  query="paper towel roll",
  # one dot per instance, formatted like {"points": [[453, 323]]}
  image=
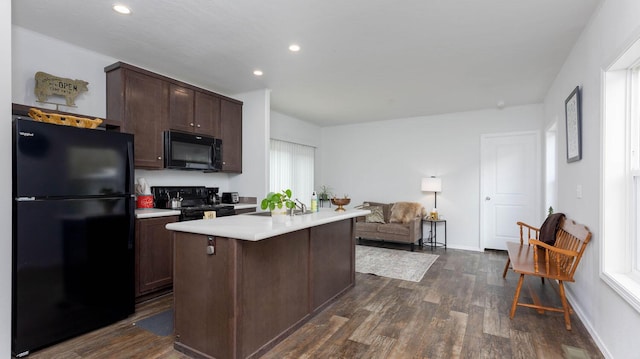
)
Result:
{"points": [[143, 187]]}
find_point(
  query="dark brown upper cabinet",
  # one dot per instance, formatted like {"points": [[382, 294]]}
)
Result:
{"points": [[231, 130], [138, 102], [147, 104]]}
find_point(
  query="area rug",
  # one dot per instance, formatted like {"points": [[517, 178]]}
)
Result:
{"points": [[393, 263], [159, 324]]}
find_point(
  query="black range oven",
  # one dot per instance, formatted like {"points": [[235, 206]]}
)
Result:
{"points": [[195, 201]]}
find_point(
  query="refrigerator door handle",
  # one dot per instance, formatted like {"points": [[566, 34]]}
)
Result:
{"points": [[25, 199], [132, 219], [130, 167]]}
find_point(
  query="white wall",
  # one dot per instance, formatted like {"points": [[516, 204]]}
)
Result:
{"points": [[64, 60], [385, 162], [184, 178], [5, 181], [287, 128], [614, 324], [254, 180]]}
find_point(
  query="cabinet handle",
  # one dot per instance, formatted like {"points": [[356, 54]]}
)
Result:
{"points": [[198, 125], [191, 124], [159, 157]]}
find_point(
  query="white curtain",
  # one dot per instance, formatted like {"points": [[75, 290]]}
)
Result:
{"points": [[292, 167]]}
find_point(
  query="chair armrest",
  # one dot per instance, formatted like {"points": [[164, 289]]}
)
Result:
{"points": [[415, 228], [551, 253], [529, 228], [415, 222], [566, 252]]}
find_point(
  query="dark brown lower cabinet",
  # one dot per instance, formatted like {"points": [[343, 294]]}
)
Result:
{"points": [[154, 256], [248, 296], [246, 210]]}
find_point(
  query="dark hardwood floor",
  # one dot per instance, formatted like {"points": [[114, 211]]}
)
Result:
{"points": [[460, 309]]}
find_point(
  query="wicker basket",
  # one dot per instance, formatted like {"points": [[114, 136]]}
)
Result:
{"points": [[64, 119]]}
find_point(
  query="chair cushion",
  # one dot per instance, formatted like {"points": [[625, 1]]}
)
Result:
{"points": [[394, 228], [404, 212], [366, 227]]}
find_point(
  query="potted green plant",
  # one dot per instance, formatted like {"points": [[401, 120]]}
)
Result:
{"points": [[278, 202], [324, 193]]}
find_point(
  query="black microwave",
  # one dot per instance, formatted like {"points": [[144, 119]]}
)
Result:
{"points": [[187, 151]]}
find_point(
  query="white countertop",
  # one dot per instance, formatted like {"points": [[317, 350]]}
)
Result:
{"points": [[251, 227], [155, 212], [245, 205]]}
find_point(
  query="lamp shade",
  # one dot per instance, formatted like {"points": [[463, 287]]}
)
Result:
{"points": [[431, 184]]}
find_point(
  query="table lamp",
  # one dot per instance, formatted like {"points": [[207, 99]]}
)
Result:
{"points": [[432, 184]]}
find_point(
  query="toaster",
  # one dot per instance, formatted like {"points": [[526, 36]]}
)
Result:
{"points": [[230, 197]]}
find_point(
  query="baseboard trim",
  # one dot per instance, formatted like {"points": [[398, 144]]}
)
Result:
{"points": [[581, 314]]}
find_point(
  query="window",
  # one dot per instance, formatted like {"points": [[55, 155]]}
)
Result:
{"points": [[292, 167], [620, 239]]}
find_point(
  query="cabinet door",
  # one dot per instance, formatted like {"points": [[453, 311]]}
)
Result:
{"points": [[181, 108], [154, 254], [146, 117], [231, 134], [207, 114]]}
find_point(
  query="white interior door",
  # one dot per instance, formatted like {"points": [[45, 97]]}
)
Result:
{"points": [[510, 186]]}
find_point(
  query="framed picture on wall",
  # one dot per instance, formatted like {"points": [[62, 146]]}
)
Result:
{"points": [[572, 108]]}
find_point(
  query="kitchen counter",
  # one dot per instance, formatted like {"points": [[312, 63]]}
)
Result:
{"points": [[256, 227], [244, 283], [155, 212]]}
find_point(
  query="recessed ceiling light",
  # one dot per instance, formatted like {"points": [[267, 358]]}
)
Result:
{"points": [[122, 9], [257, 72], [294, 48]]}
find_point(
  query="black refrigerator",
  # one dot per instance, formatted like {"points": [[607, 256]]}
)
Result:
{"points": [[73, 231]]}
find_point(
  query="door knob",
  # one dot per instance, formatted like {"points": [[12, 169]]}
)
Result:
{"points": [[487, 198]]}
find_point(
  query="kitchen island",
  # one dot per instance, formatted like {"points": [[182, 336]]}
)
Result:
{"points": [[244, 283]]}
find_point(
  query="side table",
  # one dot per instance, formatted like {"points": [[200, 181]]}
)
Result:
{"points": [[433, 233]]}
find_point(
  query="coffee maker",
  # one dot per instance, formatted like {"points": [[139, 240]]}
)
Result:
{"points": [[212, 195]]}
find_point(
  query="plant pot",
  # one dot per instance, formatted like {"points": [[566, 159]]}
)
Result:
{"points": [[279, 215]]}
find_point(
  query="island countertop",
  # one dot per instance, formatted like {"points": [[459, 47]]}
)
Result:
{"points": [[252, 227]]}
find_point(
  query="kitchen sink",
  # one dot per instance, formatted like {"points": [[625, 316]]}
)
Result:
{"points": [[265, 214], [268, 214]]}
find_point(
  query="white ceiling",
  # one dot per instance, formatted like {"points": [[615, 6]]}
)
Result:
{"points": [[361, 60]]}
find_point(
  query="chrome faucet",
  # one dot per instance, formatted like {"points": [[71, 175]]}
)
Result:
{"points": [[302, 206]]}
